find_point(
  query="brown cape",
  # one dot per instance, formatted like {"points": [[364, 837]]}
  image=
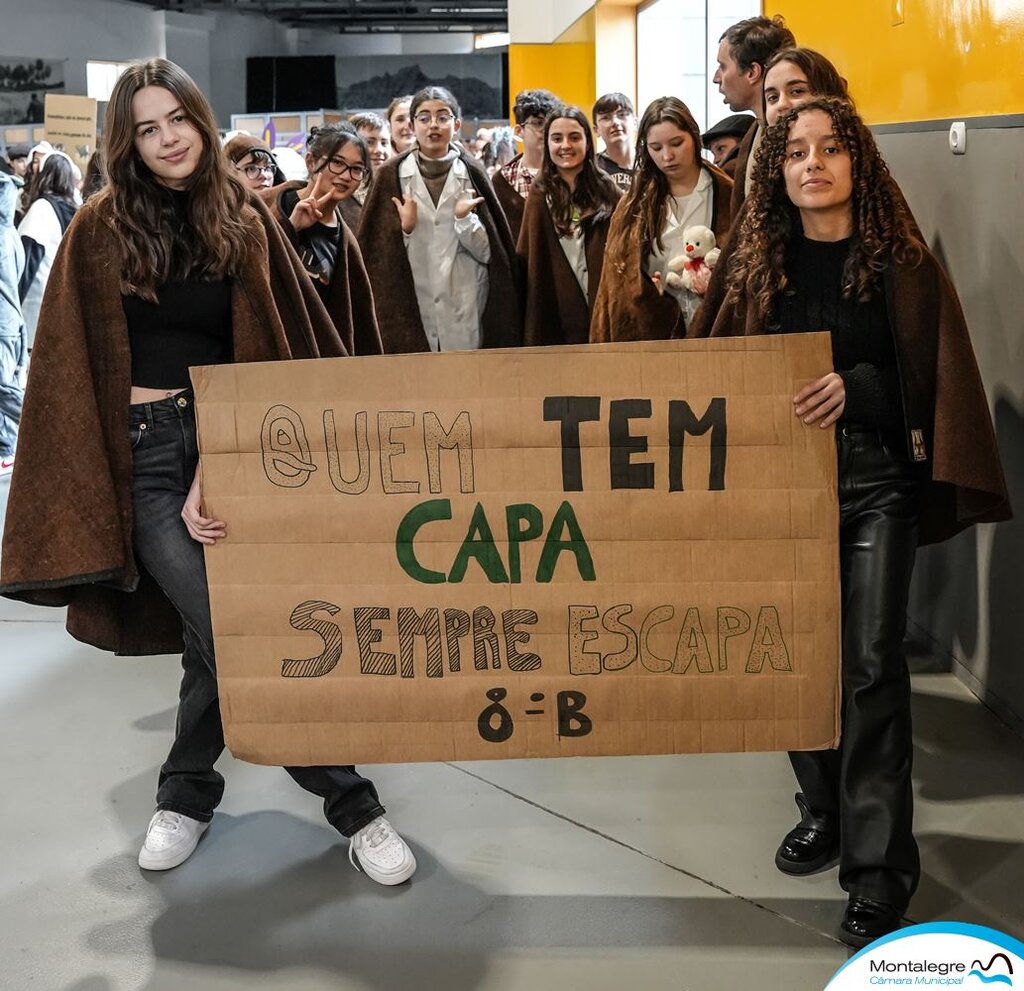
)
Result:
{"points": [[943, 395], [511, 202], [387, 262], [556, 311], [628, 307], [743, 162], [348, 297], [68, 532]]}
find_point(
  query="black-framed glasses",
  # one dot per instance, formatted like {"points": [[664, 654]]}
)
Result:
{"points": [[338, 166], [426, 118], [255, 171]]}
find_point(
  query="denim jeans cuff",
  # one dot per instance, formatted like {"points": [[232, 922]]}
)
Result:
{"points": [[363, 820], [185, 811]]}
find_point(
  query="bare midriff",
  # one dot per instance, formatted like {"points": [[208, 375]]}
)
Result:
{"points": [[140, 394]]}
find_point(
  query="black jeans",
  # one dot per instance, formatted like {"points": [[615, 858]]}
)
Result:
{"points": [[865, 785], [165, 454]]}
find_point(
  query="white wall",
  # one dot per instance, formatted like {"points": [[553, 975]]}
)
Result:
{"points": [[211, 47], [80, 31], [187, 42], [234, 38], [319, 43], [540, 22]]}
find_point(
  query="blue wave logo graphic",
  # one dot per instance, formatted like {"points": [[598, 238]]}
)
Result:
{"points": [[994, 979], [1001, 961], [987, 978]]}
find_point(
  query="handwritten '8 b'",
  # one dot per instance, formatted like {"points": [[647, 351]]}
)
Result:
{"points": [[495, 723]]}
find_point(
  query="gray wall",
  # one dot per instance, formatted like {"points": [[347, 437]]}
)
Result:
{"points": [[968, 594]]}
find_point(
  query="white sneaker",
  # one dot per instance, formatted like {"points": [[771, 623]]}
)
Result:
{"points": [[382, 854], [170, 840]]}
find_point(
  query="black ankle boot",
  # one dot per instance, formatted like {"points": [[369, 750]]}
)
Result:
{"points": [[866, 920], [811, 846]]}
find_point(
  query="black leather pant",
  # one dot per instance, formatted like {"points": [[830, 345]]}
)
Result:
{"points": [[865, 785]]}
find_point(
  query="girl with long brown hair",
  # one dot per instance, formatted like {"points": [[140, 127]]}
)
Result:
{"points": [[794, 75], [565, 225], [826, 244], [673, 189], [172, 265]]}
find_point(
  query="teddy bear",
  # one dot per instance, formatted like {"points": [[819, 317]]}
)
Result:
{"points": [[692, 270]]}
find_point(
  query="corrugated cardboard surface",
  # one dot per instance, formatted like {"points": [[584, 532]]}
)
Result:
{"points": [[707, 619]]}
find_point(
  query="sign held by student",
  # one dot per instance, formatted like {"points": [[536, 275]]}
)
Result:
{"points": [[611, 549], [71, 126]]}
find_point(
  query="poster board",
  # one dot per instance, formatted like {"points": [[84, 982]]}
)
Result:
{"points": [[596, 550], [71, 126]]}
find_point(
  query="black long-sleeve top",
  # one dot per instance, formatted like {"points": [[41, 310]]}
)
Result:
{"points": [[863, 350], [189, 325]]}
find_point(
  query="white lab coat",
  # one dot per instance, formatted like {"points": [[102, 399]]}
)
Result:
{"points": [[448, 258], [575, 250]]}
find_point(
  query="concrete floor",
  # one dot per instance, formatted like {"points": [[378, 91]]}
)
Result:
{"points": [[645, 873]]}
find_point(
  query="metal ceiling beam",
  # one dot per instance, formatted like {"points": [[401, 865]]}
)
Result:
{"points": [[279, 9]]}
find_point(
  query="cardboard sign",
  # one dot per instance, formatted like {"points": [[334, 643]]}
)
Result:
{"points": [[71, 126], [611, 549]]}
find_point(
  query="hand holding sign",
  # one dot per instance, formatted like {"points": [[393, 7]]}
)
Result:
{"points": [[824, 398], [200, 528]]}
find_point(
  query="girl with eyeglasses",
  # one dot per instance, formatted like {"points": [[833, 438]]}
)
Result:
{"points": [[174, 264], [565, 226], [253, 163], [318, 217], [436, 242]]}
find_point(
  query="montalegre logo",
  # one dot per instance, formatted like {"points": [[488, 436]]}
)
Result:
{"points": [[937, 955]]}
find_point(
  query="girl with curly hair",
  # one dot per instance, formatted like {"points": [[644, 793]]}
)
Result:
{"points": [[673, 188], [565, 225], [826, 244]]}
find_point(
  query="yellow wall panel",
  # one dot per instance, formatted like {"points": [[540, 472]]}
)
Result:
{"points": [[615, 49], [565, 68], [909, 60]]}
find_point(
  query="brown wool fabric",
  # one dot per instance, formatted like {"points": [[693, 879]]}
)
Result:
{"points": [[555, 310], [943, 393], [743, 162], [387, 262], [511, 202], [68, 533], [628, 307], [348, 297]]}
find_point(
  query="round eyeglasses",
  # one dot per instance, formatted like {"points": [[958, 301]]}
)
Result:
{"points": [[441, 118], [255, 171], [338, 166]]}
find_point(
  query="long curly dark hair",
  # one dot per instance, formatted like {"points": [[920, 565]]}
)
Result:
{"points": [[595, 195], [882, 229], [153, 249], [647, 200]]}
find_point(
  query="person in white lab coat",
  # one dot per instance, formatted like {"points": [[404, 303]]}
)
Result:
{"points": [[437, 245]]}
